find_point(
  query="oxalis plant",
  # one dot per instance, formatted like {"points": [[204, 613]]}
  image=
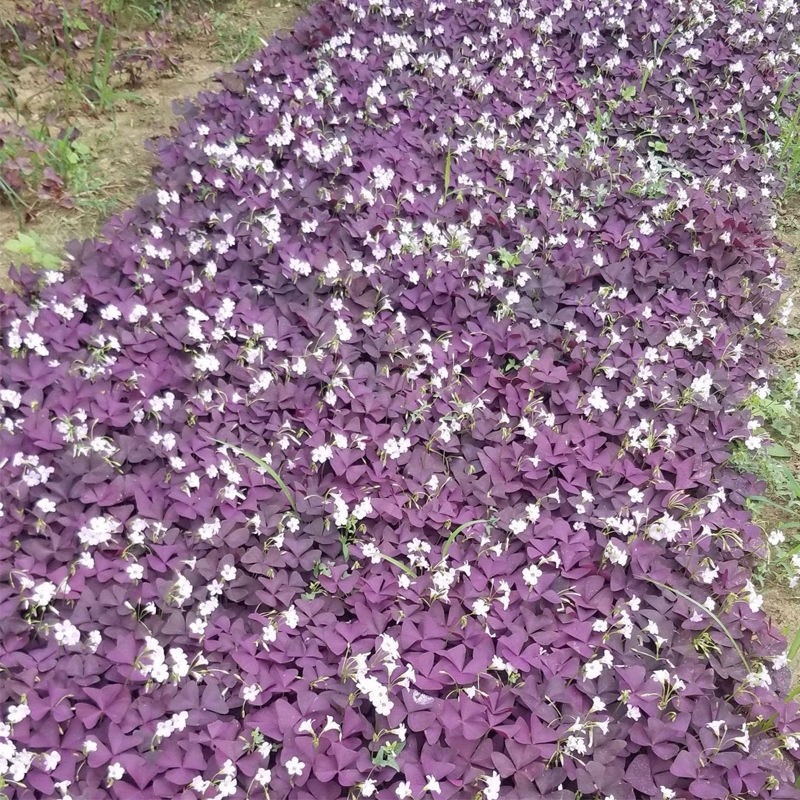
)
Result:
{"points": [[383, 449]]}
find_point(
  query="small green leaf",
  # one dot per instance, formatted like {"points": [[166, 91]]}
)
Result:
{"points": [[452, 537], [794, 647], [23, 243], [447, 173], [778, 451], [387, 756], [408, 571]]}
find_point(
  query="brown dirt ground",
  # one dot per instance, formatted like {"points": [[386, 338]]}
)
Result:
{"points": [[121, 159]]}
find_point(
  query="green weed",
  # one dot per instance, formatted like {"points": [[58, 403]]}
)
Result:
{"points": [[97, 87], [38, 167], [28, 248], [146, 11], [777, 510], [235, 38], [787, 146]]}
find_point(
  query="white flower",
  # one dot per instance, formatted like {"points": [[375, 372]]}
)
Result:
{"points": [[702, 386], [596, 399], [43, 594], [291, 617], [263, 777], [98, 530], [492, 790], [753, 598], [115, 772], [403, 790], [518, 526], [306, 726], [432, 785], [753, 442], [269, 633], [592, 670], [394, 448], [776, 537], [294, 766], [321, 454], [250, 693], [51, 760], [636, 495], [17, 713], [665, 528], [110, 312], [299, 266], [93, 639], [209, 529], [179, 720], [66, 634], [615, 554], [597, 705], [46, 505], [299, 366], [531, 575], [480, 608], [368, 787], [206, 362], [135, 572]]}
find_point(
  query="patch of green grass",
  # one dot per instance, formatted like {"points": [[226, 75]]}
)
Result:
{"points": [[147, 11], [235, 33], [40, 169], [777, 463], [28, 248], [37, 166], [787, 146]]}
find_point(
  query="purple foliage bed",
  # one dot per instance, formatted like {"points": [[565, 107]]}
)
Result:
{"points": [[481, 286]]}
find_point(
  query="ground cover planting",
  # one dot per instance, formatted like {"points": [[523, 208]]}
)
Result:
{"points": [[382, 450]]}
